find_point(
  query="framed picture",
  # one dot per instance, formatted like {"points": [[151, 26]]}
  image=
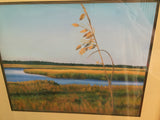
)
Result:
{"points": [[79, 59]]}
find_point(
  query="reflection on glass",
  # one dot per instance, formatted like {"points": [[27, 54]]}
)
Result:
{"points": [[46, 61]]}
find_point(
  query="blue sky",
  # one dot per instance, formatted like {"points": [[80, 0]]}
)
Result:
{"points": [[45, 32]]}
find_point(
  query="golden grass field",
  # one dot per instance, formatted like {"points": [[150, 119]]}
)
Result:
{"points": [[82, 72], [51, 71], [43, 95], [119, 75]]}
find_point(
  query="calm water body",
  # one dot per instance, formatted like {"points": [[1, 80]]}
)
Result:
{"points": [[17, 75]]}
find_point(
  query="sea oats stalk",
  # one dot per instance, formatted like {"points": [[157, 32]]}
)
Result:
{"points": [[89, 42]]}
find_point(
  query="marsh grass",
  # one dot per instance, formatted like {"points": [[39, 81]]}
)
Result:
{"points": [[43, 95], [88, 74]]}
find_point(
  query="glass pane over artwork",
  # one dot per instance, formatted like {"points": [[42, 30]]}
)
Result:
{"points": [[77, 58]]}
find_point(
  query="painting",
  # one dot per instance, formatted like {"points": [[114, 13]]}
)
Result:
{"points": [[88, 58]]}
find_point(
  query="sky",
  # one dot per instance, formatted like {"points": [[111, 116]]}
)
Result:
{"points": [[44, 32]]}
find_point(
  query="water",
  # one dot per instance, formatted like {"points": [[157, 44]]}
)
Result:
{"points": [[17, 74]]}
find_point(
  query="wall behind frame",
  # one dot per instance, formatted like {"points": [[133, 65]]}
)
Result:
{"points": [[151, 103]]}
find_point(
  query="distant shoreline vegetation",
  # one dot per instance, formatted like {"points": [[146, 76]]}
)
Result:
{"points": [[71, 64]]}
